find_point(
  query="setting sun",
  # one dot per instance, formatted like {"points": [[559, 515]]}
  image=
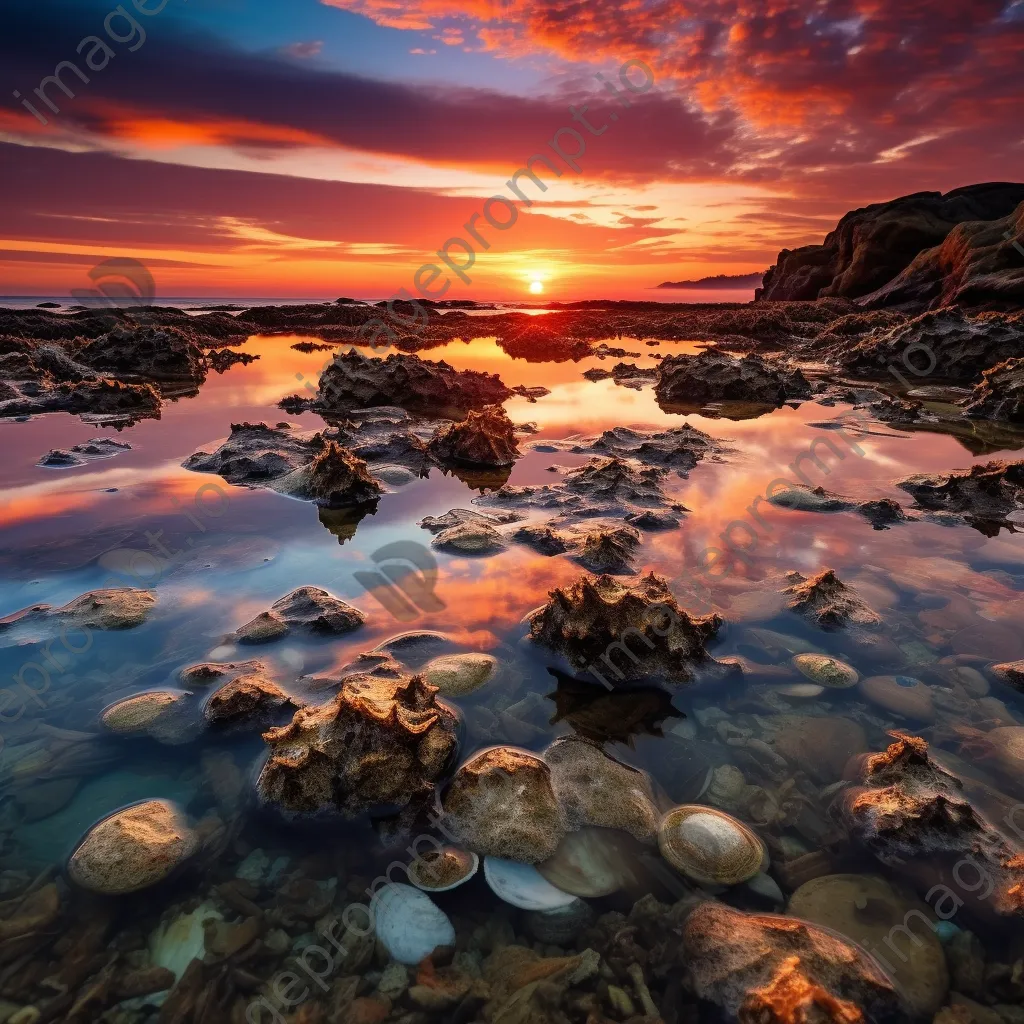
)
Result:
{"points": [[536, 287]]}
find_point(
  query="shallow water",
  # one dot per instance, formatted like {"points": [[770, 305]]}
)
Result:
{"points": [[217, 555]]}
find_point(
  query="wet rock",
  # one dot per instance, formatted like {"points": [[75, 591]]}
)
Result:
{"points": [[1000, 394], [768, 967], [947, 342], [616, 482], [809, 499], [484, 438], [455, 675], [916, 819], [105, 609], [133, 849], [501, 803], [57, 458], [983, 496], [865, 908], [591, 619], [356, 381], [827, 601], [103, 400], [895, 410], [164, 354], [543, 539], [336, 478], [474, 537], [596, 790], [157, 713], [257, 453], [249, 699], [901, 695], [1010, 672], [871, 247], [224, 358], [685, 380], [679, 449], [609, 551], [882, 513], [305, 610], [380, 743]]}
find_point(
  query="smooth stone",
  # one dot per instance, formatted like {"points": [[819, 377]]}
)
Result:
{"points": [[176, 943], [902, 695], [455, 675], [826, 671], [798, 692], [410, 925]]}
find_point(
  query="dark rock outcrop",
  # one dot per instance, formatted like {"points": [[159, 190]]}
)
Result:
{"points": [[335, 479], [629, 632], [308, 610], [163, 354], [685, 380], [484, 438], [873, 246], [357, 381], [1000, 395], [827, 601], [983, 496]]}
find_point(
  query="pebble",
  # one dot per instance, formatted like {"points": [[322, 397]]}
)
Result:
{"points": [[902, 695]]}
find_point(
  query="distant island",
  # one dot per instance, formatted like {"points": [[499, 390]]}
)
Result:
{"points": [[723, 281]]}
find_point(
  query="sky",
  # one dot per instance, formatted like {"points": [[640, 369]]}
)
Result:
{"points": [[335, 147]]}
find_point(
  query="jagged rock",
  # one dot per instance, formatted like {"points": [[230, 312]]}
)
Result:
{"points": [[686, 380], [781, 970], [882, 513], [57, 458], [335, 479], [256, 453], [484, 438], [1000, 394], [133, 848], [945, 343], [99, 401], [870, 247], [543, 539], [609, 551], [915, 817], [224, 358], [827, 601], [617, 481], [983, 496], [380, 744], [592, 619], [473, 537], [307, 609], [895, 410], [163, 354], [357, 381], [501, 803], [679, 448]]}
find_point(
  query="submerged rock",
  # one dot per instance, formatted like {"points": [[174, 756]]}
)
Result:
{"points": [[983, 496], [592, 619], [307, 610], [157, 713], [915, 818], [473, 537], [810, 499], [356, 381], [827, 601], [133, 848], [484, 438], [248, 699], [502, 803], [379, 744], [713, 376], [1000, 394], [455, 675], [766, 967]]}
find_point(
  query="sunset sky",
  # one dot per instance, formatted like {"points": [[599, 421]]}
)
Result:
{"points": [[306, 148]]}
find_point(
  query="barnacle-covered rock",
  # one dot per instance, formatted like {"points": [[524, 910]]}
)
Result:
{"points": [[381, 743], [484, 438], [502, 803], [629, 632], [827, 601]]}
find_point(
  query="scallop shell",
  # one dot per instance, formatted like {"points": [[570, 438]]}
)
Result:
{"points": [[523, 885], [409, 924], [826, 671], [443, 869], [710, 846], [590, 863]]}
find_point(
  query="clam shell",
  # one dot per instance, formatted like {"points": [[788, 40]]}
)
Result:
{"points": [[523, 885], [444, 869], [589, 863], [409, 924], [710, 846], [826, 671]]}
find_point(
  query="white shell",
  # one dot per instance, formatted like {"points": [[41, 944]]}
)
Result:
{"points": [[409, 924], [468, 862], [523, 885]]}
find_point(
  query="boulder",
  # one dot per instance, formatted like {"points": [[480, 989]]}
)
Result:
{"points": [[871, 247], [1000, 393], [336, 478], [307, 610], [484, 438], [712, 376], [983, 496], [827, 601]]}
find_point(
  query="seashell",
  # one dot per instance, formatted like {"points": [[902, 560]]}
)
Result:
{"points": [[523, 885], [409, 924], [826, 671], [710, 846], [592, 863], [443, 869], [559, 927], [799, 691]]}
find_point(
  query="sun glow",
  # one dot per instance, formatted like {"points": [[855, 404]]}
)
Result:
{"points": [[536, 287]]}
